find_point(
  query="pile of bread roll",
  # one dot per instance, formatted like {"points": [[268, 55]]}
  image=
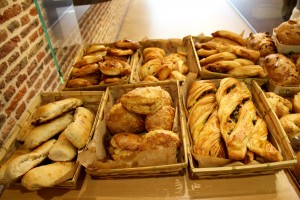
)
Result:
{"points": [[158, 66], [142, 119], [224, 123], [233, 55], [47, 156], [103, 64]]}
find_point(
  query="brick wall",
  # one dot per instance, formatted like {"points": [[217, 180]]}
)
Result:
{"points": [[26, 64]]}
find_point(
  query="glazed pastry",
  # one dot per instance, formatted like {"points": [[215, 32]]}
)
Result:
{"points": [[78, 82], [209, 141], [217, 57], [164, 71], [121, 120], [222, 66], [231, 36], [96, 48], [91, 78], [150, 68], [197, 90], [280, 105], [248, 71], [115, 67], [85, 70], [143, 100], [162, 119], [119, 52], [281, 70], [261, 42], [88, 59]]}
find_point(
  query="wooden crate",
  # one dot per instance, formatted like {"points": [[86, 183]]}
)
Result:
{"points": [[272, 118], [282, 90], [92, 100], [275, 137], [101, 134], [172, 45], [100, 87], [214, 75]]}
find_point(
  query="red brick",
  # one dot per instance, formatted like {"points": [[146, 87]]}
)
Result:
{"points": [[48, 58], [20, 110], [9, 92], [10, 12], [46, 73], [14, 103], [54, 87], [15, 39], [30, 95], [12, 26], [7, 48], [33, 12], [3, 35], [29, 28], [38, 84], [13, 57], [8, 127], [33, 37], [16, 70], [41, 31], [21, 78], [24, 46], [26, 4], [52, 78], [2, 85], [40, 56], [3, 67], [31, 67], [3, 3], [25, 20], [35, 49], [33, 78]]}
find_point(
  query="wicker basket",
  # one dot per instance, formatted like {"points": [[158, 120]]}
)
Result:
{"points": [[169, 46], [92, 100], [274, 136], [114, 93]]}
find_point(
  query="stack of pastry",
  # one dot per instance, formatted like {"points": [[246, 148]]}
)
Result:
{"points": [[224, 123], [103, 64], [157, 66], [228, 54], [57, 130], [140, 120]]}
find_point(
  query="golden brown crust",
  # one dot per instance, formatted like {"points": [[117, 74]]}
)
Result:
{"points": [[119, 52], [224, 41], [162, 119], [288, 32], [296, 103], [231, 36], [96, 48], [127, 44], [150, 68], [261, 42], [217, 57], [121, 120], [85, 70], [291, 124], [88, 59], [151, 53], [280, 105], [115, 67], [78, 82]]}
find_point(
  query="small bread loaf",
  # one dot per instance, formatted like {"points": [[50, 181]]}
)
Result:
{"points": [[296, 103], [45, 131], [79, 130], [62, 150], [261, 42], [22, 164], [144, 100], [162, 119], [48, 175], [54, 109], [288, 32]]}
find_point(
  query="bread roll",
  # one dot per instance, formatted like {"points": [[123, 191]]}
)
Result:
{"points": [[288, 32], [22, 164], [54, 109], [62, 150], [127, 44], [162, 119], [78, 82], [88, 59], [79, 130], [217, 57], [48, 175], [45, 131], [261, 42], [231, 36], [280, 105], [143, 100]]}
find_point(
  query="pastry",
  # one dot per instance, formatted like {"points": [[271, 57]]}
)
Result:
{"points": [[115, 67], [88, 59], [143, 100], [150, 79], [291, 124], [85, 70], [151, 53], [78, 82], [162, 119], [231, 36], [288, 32], [206, 52], [48, 175], [296, 103], [222, 66], [121, 120], [119, 52], [280, 105], [176, 75], [79, 130], [248, 71], [22, 164], [150, 68], [217, 57], [95, 48], [51, 110], [127, 44], [261, 42], [281, 70], [164, 71], [62, 150], [46, 131]]}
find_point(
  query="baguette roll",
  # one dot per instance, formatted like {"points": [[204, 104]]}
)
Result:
{"points": [[46, 131], [48, 175], [62, 150], [22, 164], [55, 109], [79, 130]]}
